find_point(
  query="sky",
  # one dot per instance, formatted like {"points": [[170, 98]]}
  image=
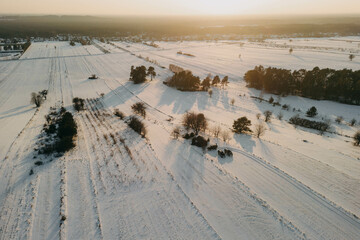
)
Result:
{"points": [[179, 7]]}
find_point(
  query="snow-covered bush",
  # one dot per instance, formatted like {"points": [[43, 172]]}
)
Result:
{"points": [[199, 141], [37, 99], [311, 112], [138, 126], [357, 138], [78, 104], [119, 114]]}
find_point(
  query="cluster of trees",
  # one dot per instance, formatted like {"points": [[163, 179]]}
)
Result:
{"points": [[139, 74], [207, 82], [61, 129], [339, 85], [320, 126], [186, 81]]}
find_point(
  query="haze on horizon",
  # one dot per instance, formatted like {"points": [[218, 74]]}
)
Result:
{"points": [[184, 7]]}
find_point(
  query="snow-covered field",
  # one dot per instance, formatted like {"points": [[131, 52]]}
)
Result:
{"points": [[290, 184]]}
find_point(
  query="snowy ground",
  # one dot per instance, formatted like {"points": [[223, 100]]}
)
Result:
{"points": [[115, 184]]}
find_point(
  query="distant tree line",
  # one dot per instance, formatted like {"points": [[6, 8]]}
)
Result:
{"points": [[176, 27], [338, 85]]}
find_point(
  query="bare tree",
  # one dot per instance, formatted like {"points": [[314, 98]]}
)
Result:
{"points": [[267, 115], [280, 116], [176, 132], [225, 135], [216, 130], [36, 99], [351, 57], [195, 121], [259, 129]]}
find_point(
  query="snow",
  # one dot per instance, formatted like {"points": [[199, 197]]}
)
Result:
{"points": [[115, 184]]}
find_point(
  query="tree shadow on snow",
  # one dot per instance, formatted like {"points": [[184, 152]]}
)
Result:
{"points": [[188, 162], [245, 141]]}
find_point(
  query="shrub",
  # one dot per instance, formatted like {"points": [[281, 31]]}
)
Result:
{"points": [[357, 138], [225, 153], [78, 104], [339, 119], [137, 125], [311, 112], [353, 122], [39, 163], [232, 101], [139, 108], [212, 147], [241, 125], [189, 135], [210, 92], [228, 152], [267, 115], [195, 121], [286, 107], [271, 99], [258, 115], [175, 132], [37, 99], [119, 114], [199, 141], [280, 116], [221, 154]]}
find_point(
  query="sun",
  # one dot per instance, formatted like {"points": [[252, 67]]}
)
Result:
{"points": [[223, 7]]}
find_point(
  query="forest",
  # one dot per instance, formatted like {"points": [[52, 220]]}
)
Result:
{"points": [[338, 85], [157, 28]]}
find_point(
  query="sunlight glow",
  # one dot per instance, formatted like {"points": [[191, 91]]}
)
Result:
{"points": [[183, 7]]}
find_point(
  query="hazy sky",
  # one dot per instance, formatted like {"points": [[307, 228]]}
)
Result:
{"points": [[179, 7]]}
